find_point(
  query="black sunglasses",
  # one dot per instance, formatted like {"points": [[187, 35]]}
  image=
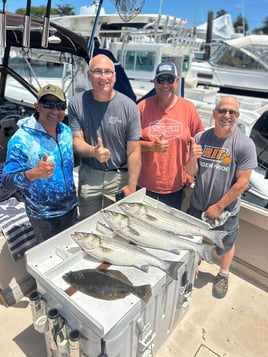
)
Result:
{"points": [[50, 104], [230, 111], [169, 80]]}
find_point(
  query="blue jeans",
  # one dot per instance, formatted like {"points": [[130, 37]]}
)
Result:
{"points": [[47, 228]]}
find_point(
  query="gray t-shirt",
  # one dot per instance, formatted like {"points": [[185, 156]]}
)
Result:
{"points": [[116, 122], [221, 158]]}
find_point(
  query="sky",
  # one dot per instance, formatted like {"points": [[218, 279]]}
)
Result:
{"points": [[196, 11]]}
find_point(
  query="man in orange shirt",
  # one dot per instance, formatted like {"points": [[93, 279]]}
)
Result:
{"points": [[167, 123]]}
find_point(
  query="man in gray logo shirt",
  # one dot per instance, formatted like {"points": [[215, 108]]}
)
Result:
{"points": [[106, 131], [221, 159]]}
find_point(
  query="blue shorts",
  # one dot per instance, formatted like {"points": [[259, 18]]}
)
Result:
{"points": [[231, 226], [174, 199]]}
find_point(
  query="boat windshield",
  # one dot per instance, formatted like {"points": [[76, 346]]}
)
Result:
{"points": [[138, 60], [259, 135], [226, 55]]}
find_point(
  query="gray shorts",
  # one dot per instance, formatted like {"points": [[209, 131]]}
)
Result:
{"points": [[231, 226], [97, 188]]}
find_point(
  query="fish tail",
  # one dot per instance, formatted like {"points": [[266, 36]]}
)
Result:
{"points": [[205, 252], [216, 237], [144, 292], [171, 268]]}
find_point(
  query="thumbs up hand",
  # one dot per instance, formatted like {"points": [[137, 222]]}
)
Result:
{"points": [[160, 145], [195, 149], [44, 167], [102, 154]]}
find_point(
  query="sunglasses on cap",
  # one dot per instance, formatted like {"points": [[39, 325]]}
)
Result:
{"points": [[169, 80], [50, 104], [230, 111]]}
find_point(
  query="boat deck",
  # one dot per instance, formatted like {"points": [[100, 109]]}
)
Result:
{"points": [[233, 326]]}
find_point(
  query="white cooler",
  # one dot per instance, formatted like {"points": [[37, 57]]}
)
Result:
{"points": [[125, 327]]}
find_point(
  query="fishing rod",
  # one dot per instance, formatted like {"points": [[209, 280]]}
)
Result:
{"points": [[91, 40], [3, 25], [46, 24], [27, 26]]}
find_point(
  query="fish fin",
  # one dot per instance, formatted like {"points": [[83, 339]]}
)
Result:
{"points": [[205, 252], [172, 268], [187, 236], [150, 217], [144, 292], [144, 268], [106, 250], [216, 237], [133, 231], [175, 251]]}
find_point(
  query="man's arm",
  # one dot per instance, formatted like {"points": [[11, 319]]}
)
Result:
{"points": [[134, 166], [195, 152], [241, 184], [158, 145], [83, 149]]}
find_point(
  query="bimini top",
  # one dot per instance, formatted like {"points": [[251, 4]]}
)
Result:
{"points": [[67, 41], [254, 46]]}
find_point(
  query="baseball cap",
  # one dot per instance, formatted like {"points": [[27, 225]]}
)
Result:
{"points": [[166, 68], [52, 90]]}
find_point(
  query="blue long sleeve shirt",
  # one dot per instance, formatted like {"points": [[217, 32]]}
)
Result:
{"points": [[44, 197]]}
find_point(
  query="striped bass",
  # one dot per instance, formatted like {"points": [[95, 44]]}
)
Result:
{"points": [[106, 284], [140, 233], [112, 251], [164, 220]]}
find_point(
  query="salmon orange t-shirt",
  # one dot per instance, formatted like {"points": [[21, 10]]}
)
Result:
{"points": [[166, 173]]}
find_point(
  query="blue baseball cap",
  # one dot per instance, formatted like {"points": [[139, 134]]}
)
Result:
{"points": [[166, 68]]}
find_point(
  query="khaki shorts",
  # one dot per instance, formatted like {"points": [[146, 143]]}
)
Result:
{"points": [[97, 188]]}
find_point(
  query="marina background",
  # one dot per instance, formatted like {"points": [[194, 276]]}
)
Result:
{"points": [[196, 11]]}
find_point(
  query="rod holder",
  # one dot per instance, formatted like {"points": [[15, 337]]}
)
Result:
{"points": [[26, 31], [45, 33], [74, 343], [39, 313], [53, 323], [3, 29]]}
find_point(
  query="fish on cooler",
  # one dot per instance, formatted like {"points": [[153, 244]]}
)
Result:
{"points": [[106, 284], [140, 233], [112, 251], [164, 220]]}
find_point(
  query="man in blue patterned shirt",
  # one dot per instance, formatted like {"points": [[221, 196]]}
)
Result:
{"points": [[40, 163]]}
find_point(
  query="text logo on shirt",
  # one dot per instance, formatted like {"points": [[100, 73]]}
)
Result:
{"points": [[170, 128], [217, 154], [113, 120]]}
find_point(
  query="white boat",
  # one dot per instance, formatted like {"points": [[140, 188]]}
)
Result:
{"points": [[236, 65], [140, 44]]}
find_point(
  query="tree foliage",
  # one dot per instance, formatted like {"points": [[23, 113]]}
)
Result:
{"points": [[264, 29], [40, 11], [241, 25], [220, 13]]}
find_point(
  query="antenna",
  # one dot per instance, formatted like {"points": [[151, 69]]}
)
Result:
{"points": [[3, 25]]}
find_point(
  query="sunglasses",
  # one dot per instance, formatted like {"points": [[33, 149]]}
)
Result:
{"points": [[169, 80], [50, 104], [225, 111]]}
